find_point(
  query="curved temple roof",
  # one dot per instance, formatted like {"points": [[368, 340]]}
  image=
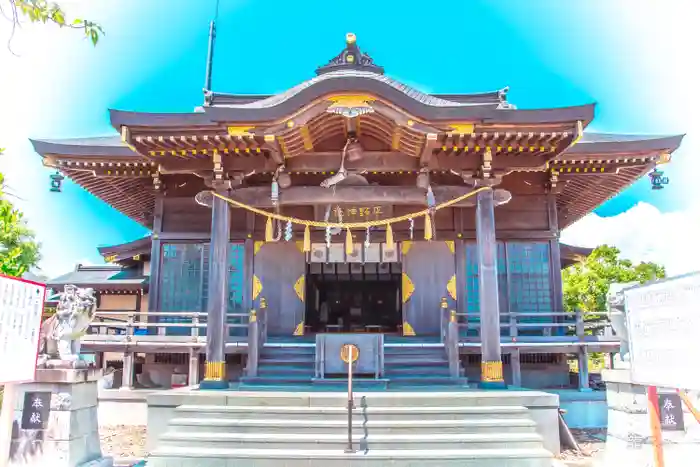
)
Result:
{"points": [[353, 74]]}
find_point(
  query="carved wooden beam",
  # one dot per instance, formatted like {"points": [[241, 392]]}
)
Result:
{"points": [[271, 145], [380, 162], [431, 144]]}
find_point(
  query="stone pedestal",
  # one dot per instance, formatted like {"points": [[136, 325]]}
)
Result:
{"points": [[71, 437], [629, 430]]}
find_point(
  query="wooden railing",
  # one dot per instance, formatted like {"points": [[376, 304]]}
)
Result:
{"points": [[131, 323], [257, 335], [577, 325]]}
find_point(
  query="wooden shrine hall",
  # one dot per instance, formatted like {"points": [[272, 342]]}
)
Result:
{"points": [[354, 205]]}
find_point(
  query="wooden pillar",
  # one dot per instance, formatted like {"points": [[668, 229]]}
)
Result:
{"points": [[154, 273], [583, 384], [193, 370], [215, 370], [128, 371], [491, 364], [555, 256], [516, 376]]}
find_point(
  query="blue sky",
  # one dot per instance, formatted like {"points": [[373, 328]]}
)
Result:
{"points": [[632, 58]]}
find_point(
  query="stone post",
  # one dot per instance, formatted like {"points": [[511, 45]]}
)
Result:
{"points": [[491, 365], [215, 369], [629, 438], [70, 437]]}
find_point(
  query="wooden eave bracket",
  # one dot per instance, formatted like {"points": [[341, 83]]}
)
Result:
{"points": [[431, 144]]}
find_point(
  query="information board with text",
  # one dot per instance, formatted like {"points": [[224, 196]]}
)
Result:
{"points": [[663, 320], [21, 307]]}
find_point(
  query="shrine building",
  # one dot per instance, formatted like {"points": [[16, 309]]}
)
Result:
{"points": [[351, 207]]}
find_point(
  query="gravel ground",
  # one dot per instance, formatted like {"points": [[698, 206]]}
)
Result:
{"points": [[122, 441], [592, 444]]}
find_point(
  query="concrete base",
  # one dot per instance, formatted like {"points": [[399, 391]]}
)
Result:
{"points": [[629, 431], [469, 428], [71, 437], [209, 385]]}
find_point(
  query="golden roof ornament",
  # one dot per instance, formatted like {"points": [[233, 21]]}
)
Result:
{"points": [[351, 58]]}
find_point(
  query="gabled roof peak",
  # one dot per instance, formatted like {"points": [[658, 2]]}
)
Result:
{"points": [[351, 57]]}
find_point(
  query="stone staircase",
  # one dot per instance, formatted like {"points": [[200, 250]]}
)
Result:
{"points": [[283, 366], [399, 429], [405, 366], [418, 367]]}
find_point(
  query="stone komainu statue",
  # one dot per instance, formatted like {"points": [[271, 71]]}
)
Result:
{"points": [[59, 344], [618, 318]]}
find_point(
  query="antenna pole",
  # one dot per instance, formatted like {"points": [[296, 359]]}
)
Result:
{"points": [[210, 56]]}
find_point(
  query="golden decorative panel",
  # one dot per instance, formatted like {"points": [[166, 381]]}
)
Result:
{"points": [[257, 287], [405, 246], [350, 106], [299, 330], [451, 245], [256, 247], [408, 329], [300, 286], [300, 245], [462, 128], [306, 138], [407, 287], [239, 130], [452, 287], [215, 371], [492, 372]]}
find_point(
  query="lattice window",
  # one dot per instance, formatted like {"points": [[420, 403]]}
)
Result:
{"points": [[524, 282], [236, 286], [471, 293], [530, 289], [180, 283]]}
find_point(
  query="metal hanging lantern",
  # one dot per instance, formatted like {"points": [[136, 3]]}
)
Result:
{"points": [[354, 150], [657, 179], [56, 182]]}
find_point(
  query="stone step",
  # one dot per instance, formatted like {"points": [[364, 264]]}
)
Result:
{"points": [[275, 378], [340, 413], [391, 372], [284, 360], [287, 369], [362, 426], [440, 398], [333, 441], [226, 457], [288, 350], [418, 361]]}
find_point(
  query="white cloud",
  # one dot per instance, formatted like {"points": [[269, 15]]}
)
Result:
{"points": [[643, 233]]}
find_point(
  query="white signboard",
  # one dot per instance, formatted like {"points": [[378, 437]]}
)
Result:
{"points": [[663, 320], [21, 306]]}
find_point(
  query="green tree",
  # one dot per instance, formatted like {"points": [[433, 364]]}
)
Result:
{"points": [[42, 11], [587, 283], [19, 251]]}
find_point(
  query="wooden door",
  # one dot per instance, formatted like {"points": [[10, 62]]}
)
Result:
{"points": [[428, 276], [279, 272]]}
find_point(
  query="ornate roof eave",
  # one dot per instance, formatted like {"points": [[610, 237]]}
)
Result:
{"points": [[103, 146], [602, 143], [133, 250], [213, 116]]}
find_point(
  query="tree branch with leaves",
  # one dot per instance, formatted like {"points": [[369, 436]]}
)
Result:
{"points": [[41, 11], [586, 284]]}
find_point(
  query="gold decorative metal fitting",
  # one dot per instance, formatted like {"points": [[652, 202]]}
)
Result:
{"points": [[443, 302], [492, 372], [453, 316], [350, 38], [253, 316], [263, 303], [215, 371]]}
